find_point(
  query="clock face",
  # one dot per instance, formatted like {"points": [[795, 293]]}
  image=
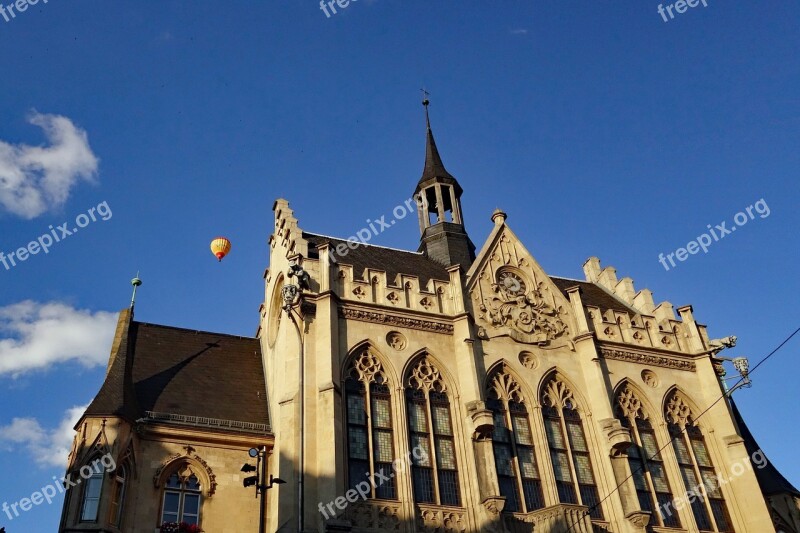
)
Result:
{"points": [[511, 282]]}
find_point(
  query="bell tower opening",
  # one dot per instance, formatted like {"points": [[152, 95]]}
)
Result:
{"points": [[438, 197]]}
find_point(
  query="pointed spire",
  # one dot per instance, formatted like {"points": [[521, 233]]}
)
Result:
{"points": [[434, 168]]}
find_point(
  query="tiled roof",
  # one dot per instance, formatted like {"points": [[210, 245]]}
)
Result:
{"points": [[377, 257], [418, 264], [187, 373], [593, 295]]}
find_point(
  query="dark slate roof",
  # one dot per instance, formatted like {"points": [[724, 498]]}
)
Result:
{"points": [[434, 170], [593, 295], [769, 479], [418, 264], [117, 397], [390, 260], [187, 373]]}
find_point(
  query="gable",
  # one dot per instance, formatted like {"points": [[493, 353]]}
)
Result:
{"points": [[513, 296]]}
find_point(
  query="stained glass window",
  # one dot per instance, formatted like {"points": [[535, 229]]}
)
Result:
{"points": [[502, 459], [431, 403], [699, 477], [522, 430], [647, 468], [370, 440], [520, 476], [571, 453]]}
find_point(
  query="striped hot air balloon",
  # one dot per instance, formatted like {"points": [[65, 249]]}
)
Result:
{"points": [[220, 247]]}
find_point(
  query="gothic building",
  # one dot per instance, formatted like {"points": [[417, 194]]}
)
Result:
{"points": [[449, 389]]}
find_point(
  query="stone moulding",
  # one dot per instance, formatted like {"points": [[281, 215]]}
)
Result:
{"points": [[647, 359], [377, 317]]}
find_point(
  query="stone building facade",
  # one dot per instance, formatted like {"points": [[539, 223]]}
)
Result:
{"points": [[449, 389]]}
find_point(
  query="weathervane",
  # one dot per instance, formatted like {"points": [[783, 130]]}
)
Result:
{"points": [[426, 103]]}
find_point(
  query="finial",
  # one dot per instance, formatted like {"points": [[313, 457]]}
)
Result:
{"points": [[136, 282], [426, 103], [498, 216]]}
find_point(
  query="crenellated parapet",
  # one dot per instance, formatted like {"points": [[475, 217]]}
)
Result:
{"points": [[644, 324], [404, 291]]}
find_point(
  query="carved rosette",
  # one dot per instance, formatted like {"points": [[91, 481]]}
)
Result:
{"points": [[649, 378], [528, 360], [396, 340]]}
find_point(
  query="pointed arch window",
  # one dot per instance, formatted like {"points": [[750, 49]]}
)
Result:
{"points": [[182, 498], [647, 465], [569, 449], [92, 490], [512, 442], [370, 439], [118, 495], [697, 470], [434, 469]]}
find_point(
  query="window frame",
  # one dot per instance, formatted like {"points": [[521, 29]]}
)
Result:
{"points": [[182, 491], [508, 411], [558, 406], [369, 393], [633, 418], [119, 491], [687, 435], [426, 388], [97, 473]]}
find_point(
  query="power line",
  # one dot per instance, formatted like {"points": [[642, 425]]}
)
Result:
{"points": [[672, 438]]}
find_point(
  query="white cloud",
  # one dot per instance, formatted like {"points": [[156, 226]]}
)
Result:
{"points": [[36, 335], [48, 447], [518, 31], [35, 179]]}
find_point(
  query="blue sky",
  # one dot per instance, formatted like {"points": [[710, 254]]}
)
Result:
{"points": [[598, 127]]}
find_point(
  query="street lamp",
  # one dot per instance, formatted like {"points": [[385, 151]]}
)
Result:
{"points": [[742, 365], [259, 481]]}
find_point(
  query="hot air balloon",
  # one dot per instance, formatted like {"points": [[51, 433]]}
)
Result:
{"points": [[220, 247]]}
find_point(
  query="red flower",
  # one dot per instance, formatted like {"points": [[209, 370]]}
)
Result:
{"points": [[183, 527]]}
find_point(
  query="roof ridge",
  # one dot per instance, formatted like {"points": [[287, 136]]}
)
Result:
{"points": [[361, 243], [193, 330], [570, 279]]}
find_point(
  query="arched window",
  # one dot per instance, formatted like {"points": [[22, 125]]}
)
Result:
{"points": [[182, 498], [369, 426], [512, 441], [570, 455], [92, 490], [434, 469], [647, 465], [697, 470], [118, 495]]}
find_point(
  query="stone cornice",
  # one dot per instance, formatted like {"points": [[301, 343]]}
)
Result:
{"points": [[203, 436], [395, 320], [621, 354]]}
